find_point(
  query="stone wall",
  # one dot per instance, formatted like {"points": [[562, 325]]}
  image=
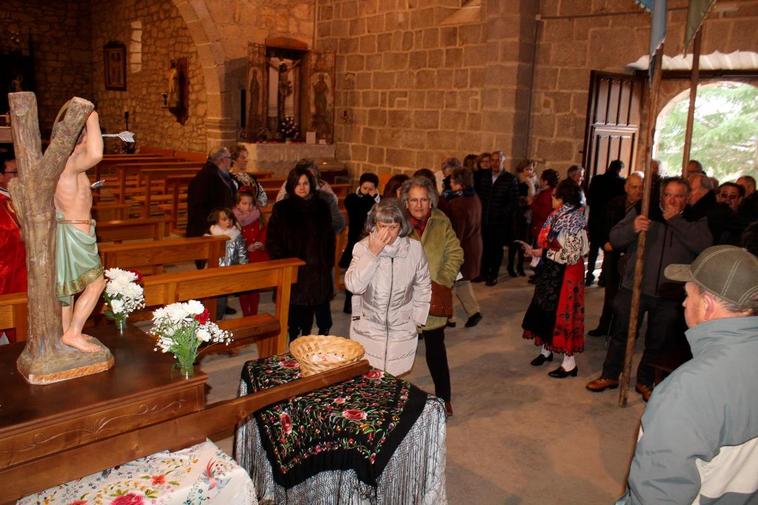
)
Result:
{"points": [[412, 91], [60, 44], [154, 33], [578, 36]]}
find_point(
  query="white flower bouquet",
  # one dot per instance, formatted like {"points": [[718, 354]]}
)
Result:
{"points": [[181, 328], [123, 295]]}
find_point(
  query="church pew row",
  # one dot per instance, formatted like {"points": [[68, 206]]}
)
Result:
{"points": [[145, 257], [268, 331]]}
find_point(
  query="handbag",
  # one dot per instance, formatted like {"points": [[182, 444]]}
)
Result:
{"points": [[442, 301]]}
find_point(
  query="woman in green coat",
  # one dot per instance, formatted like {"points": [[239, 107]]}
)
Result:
{"points": [[445, 256]]}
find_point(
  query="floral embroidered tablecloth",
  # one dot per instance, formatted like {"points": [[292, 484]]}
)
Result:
{"points": [[356, 424], [201, 474]]}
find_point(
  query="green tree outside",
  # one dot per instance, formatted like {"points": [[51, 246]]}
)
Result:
{"points": [[725, 132]]}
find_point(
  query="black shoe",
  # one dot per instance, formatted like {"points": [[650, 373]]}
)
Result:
{"points": [[541, 358], [451, 324], [598, 332], [532, 279], [512, 272], [473, 320], [490, 282], [521, 272], [229, 311], [589, 280], [560, 373]]}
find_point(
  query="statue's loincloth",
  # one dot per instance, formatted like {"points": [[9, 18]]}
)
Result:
{"points": [[77, 263]]}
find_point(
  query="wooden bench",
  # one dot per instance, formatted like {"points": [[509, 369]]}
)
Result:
{"points": [[13, 314], [154, 228], [268, 331], [158, 253]]}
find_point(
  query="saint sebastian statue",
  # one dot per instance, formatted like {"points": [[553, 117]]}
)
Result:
{"points": [[78, 267]]}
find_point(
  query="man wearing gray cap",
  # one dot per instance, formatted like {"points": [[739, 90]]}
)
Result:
{"points": [[698, 442]]}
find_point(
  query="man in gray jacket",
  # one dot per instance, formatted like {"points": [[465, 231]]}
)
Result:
{"points": [[698, 442], [670, 239]]}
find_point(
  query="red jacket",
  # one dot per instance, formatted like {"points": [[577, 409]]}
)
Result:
{"points": [[542, 206], [255, 232]]}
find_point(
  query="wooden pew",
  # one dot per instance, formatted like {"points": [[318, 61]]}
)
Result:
{"points": [[13, 314], [158, 253], [268, 331], [154, 228], [144, 256], [111, 211], [126, 169]]}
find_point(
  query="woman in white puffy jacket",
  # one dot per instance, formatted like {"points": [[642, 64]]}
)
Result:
{"points": [[391, 286]]}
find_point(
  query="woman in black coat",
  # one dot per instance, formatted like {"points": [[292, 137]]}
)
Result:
{"points": [[301, 227], [358, 205]]}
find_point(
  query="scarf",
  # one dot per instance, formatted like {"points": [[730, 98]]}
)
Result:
{"points": [[247, 218], [568, 219], [419, 225], [232, 232]]}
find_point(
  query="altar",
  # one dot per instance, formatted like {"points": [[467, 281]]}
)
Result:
{"points": [[279, 158]]}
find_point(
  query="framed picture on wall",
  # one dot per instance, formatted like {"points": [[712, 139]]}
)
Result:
{"points": [[114, 56]]}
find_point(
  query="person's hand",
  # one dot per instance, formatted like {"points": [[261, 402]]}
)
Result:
{"points": [[641, 223], [256, 246], [377, 239], [670, 212], [528, 251], [607, 247]]}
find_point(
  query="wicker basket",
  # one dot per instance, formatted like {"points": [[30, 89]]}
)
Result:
{"points": [[319, 353]]}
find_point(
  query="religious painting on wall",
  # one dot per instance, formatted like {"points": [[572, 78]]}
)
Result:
{"points": [[114, 58], [321, 68], [257, 84]]}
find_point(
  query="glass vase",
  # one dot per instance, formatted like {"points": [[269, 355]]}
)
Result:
{"points": [[120, 325], [186, 364]]}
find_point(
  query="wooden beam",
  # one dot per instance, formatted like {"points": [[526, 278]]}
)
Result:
{"points": [[694, 80]]}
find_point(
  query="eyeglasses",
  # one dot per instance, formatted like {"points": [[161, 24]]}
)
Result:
{"points": [[417, 201]]}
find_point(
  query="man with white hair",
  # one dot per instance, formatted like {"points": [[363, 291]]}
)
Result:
{"points": [[211, 188], [698, 442], [722, 221]]}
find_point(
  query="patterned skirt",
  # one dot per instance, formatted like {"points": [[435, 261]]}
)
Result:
{"points": [[555, 318]]}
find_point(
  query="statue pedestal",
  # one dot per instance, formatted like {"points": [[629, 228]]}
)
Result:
{"points": [[281, 158]]}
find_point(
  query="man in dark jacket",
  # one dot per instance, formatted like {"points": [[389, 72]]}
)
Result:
{"points": [[603, 188], [616, 209], [670, 239], [498, 192], [723, 222], [211, 188]]}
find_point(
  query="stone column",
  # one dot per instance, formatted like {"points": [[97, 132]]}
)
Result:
{"points": [[221, 131]]}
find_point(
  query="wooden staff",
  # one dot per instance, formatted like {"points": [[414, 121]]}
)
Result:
{"points": [[641, 238], [694, 79]]}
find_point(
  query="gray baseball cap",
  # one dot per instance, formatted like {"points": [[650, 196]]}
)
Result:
{"points": [[727, 271]]}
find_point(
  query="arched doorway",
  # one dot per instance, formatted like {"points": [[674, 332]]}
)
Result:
{"points": [[725, 132]]}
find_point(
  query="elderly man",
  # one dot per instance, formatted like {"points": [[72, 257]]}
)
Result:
{"points": [[748, 209], [698, 442], [498, 192], [722, 221], [670, 239], [211, 188], [616, 209], [8, 171]]}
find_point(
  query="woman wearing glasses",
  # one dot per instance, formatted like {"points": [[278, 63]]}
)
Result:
{"points": [[389, 278], [445, 257]]}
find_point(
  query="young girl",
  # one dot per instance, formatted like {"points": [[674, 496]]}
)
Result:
{"points": [[249, 216], [223, 222]]}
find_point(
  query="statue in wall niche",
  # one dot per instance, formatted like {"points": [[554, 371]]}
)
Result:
{"points": [[284, 87], [320, 119], [174, 91], [254, 108]]}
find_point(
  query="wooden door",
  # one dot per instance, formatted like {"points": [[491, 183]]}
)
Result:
{"points": [[613, 122]]}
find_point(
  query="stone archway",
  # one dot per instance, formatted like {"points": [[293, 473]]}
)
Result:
{"points": [[220, 125]]}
